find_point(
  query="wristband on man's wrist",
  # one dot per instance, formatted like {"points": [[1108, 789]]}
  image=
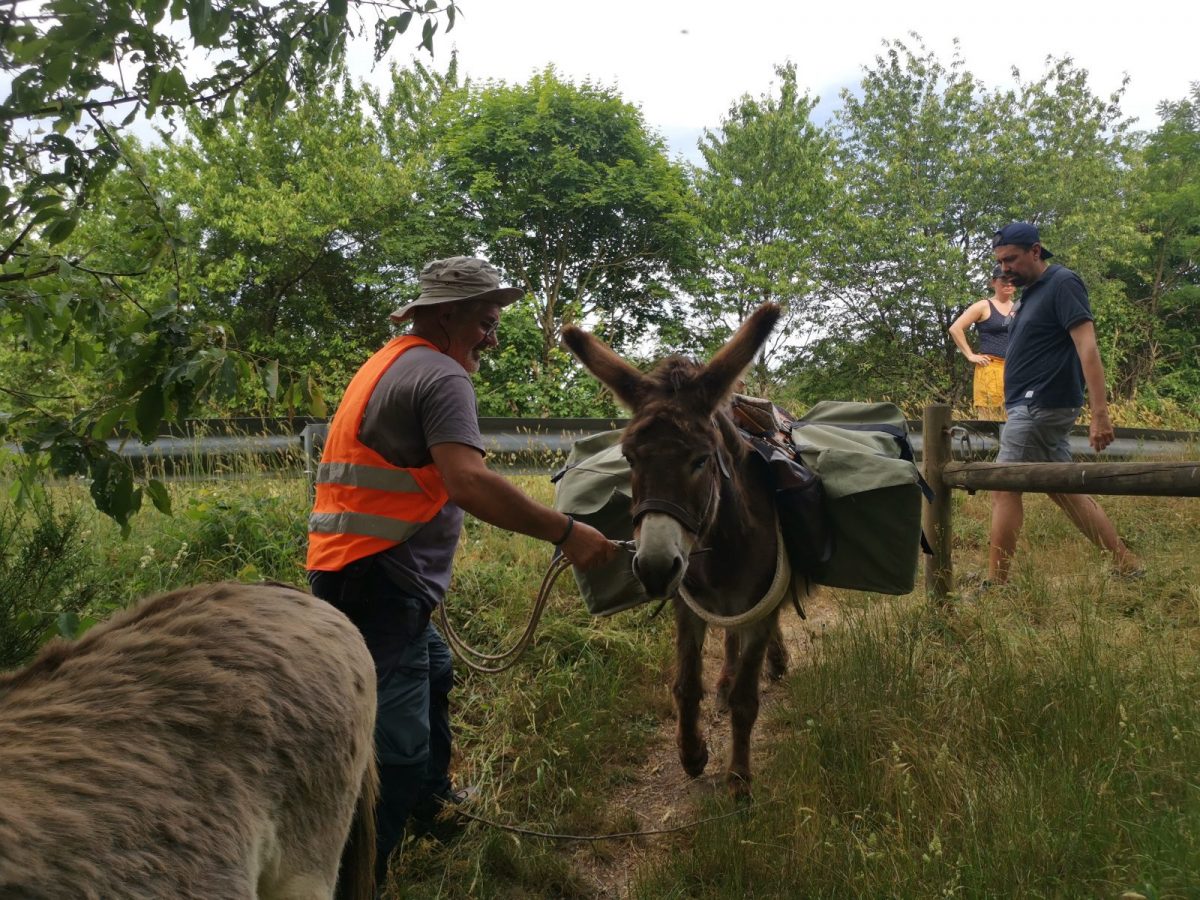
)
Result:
{"points": [[566, 534]]}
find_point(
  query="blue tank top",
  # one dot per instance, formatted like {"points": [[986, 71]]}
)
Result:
{"points": [[993, 333]]}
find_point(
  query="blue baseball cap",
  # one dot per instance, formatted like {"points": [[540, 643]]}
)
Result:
{"points": [[1020, 233]]}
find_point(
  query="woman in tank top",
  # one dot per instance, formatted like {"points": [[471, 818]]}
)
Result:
{"points": [[990, 317]]}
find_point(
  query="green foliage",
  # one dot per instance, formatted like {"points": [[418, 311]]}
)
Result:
{"points": [[79, 215], [575, 200], [930, 163], [44, 589], [301, 232], [63, 566], [246, 535], [519, 378], [58, 60], [761, 194], [1162, 281]]}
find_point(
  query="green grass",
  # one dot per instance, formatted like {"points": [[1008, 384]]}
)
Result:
{"points": [[1043, 741], [553, 739], [548, 742]]}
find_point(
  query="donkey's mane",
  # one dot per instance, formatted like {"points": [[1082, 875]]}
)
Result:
{"points": [[675, 397], [674, 374]]}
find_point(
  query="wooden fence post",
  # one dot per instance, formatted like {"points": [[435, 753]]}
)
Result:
{"points": [[939, 568]]}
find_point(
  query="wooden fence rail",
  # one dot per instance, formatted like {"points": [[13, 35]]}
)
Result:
{"points": [[1145, 479]]}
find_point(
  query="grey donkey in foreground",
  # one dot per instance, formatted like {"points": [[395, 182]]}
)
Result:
{"points": [[214, 742]]}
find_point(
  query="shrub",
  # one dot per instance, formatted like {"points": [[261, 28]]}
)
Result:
{"points": [[44, 589]]}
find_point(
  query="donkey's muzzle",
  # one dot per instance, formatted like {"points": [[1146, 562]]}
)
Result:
{"points": [[658, 581], [662, 554]]}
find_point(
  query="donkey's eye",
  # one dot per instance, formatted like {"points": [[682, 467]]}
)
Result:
{"points": [[700, 462]]}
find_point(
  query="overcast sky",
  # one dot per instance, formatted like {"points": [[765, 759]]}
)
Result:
{"points": [[684, 61]]}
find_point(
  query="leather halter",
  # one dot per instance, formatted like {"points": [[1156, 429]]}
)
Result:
{"points": [[674, 510], [683, 516]]}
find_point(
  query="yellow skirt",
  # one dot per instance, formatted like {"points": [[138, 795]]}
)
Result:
{"points": [[989, 391]]}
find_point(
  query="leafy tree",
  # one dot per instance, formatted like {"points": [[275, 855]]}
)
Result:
{"points": [[762, 194], [930, 163], [68, 59], [57, 289], [300, 231], [516, 380], [1163, 284], [575, 200], [921, 191], [409, 120], [131, 353]]}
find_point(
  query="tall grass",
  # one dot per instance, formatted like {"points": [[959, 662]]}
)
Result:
{"points": [[551, 741], [548, 742], [1042, 741]]}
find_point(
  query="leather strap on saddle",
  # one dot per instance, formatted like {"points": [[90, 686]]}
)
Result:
{"points": [[763, 419]]}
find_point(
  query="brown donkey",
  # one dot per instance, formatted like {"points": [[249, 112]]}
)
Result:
{"points": [[215, 742], [704, 520]]}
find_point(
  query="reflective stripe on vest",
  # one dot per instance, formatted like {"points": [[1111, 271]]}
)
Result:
{"points": [[399, 480], [363, 523], [364, 504]]}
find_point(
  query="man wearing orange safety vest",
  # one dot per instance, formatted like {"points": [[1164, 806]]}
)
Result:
{"points": [[402, 460]]}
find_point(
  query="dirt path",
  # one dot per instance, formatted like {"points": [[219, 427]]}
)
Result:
{"points": [[661, 795]]}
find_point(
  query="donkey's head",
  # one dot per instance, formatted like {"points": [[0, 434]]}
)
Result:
{"points": [[674, 442]]}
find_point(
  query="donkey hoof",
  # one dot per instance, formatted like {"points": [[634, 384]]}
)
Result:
{"points": [[722, 698], [739, 786], [694, 764], [777, 664]]}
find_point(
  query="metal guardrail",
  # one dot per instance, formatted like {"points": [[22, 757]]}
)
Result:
{"points": [[506, 436], [980, 440], [524, 443]]}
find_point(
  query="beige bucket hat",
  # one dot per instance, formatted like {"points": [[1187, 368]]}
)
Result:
{"points": [[459, 278]]}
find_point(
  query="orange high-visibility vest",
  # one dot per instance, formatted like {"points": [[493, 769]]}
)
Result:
{"points": [[364, 503]]}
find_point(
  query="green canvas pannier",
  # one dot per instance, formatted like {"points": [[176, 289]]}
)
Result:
{"points": [[594, 487], [873, 493], [871, 485]]}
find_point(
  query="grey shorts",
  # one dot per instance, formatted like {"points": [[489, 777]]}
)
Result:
{"points": [[1033, 434]]}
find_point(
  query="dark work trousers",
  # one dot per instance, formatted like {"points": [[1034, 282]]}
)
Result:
{"points": [[413, 680]]}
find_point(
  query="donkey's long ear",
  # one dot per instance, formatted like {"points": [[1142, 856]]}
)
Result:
{"points": [[723, 370], [610, 370]]}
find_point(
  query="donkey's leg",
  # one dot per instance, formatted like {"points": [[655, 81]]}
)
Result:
{"points": [[688, 689], [777, 655], [743, 704], [728, 668]]}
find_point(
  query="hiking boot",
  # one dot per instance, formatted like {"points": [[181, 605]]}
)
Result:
{"points": [[439, 818]]}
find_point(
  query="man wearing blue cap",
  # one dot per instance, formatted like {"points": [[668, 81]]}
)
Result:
{"points": [[1052, 355]]}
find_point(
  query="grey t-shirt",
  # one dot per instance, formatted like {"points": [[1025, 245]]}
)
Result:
{"points": [[424, 398]]}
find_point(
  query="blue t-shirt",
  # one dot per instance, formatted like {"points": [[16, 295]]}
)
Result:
{"points": [[1042, 367]]}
